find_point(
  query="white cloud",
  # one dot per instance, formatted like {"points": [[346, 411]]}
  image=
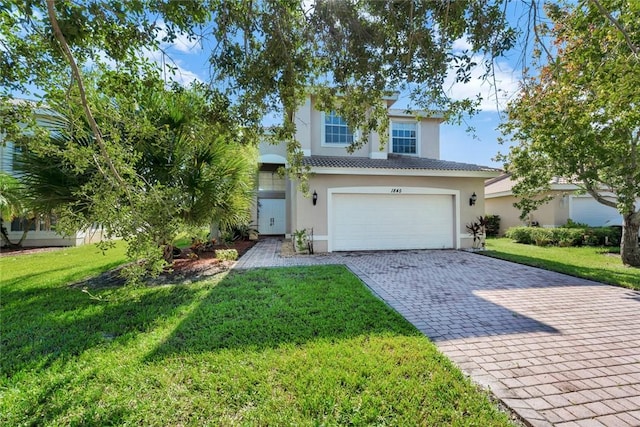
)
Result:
{"points": [[461, 44], [171, 69], [181, 42], [495, 92]]}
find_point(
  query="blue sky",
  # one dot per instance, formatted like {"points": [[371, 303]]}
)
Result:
{"points": [[456, 143]]}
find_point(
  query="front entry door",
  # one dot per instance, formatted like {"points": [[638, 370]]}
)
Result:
{"points": [[271, 216]]}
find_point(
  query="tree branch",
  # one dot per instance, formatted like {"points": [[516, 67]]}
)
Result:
{"points": [[619, 26], [57, 32], [598, 197]]}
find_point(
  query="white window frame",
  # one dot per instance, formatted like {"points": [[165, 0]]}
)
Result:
{"points": [[323, 133], [413, 122]]}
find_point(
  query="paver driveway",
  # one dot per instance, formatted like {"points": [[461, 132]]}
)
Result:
{"points": [[556, 349]]}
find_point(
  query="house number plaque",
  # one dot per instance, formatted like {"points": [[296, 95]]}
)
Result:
{"points": [[396, 190]]}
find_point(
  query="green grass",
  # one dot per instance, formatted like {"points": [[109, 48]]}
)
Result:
{"points": [[297, 346], [595, 263]]}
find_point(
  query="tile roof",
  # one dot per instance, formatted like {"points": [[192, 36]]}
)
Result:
{"points": [[393, 162], [504, 183]]}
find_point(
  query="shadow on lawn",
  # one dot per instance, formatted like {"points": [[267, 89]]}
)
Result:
{"points": [[267, 308], [39, 328]]}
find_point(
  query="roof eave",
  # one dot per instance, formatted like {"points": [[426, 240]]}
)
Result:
{"points": [[324, 170]]}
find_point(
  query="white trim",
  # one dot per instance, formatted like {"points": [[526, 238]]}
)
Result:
{"points": [[272, 159], [388, 190], [509, 192], [306, 152], [418, 144], [323, 125], [403, 172], [382, 155], [500, 194], [414, 114]]}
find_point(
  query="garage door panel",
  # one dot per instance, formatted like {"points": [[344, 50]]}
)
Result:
{"points": [[392, 221], [591, 212]]}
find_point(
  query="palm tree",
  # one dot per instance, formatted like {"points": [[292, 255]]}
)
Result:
{"points": [[13, 204]]}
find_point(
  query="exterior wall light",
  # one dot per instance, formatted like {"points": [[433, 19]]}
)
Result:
{"points": [[314, 197], [472, 199]]}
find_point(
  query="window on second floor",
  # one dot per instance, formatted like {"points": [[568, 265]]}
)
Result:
{"points": [[404, 138], [336, 131]]}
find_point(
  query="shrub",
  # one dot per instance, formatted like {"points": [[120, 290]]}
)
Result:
{"points": [[492, 227], [572, 224], [227, 254], [566, 236], [542, 236], [520, 234], [603, 236]]}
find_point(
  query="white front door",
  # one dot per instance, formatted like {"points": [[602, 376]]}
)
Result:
{"points": [[385, 221], [271, 216]]}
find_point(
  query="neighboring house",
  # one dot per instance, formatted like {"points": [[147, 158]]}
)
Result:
{"points": [[567, 203], [43, 230], [399, 197]]}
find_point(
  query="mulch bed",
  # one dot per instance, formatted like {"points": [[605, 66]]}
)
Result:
{"points": [[207, 259], [187, 268]]}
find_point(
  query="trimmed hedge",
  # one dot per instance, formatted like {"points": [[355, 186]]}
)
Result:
{"points": [[563, 236]]}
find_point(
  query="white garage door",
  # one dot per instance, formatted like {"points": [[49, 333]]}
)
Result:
{"points": [[391, 221], [587, 210]]}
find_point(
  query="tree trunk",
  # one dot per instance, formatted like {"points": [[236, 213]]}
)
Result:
{"points": [[5, 238], [167, 253], [629, 249], [12, 245]]}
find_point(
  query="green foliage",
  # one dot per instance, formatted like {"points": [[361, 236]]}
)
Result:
{"points": [[301, 240], [145, 161], [492, 226], [572, 224], [227, 254], [293, 346], [241, 231], [11, 197], [184, 168], [268, 55], [589, 262], [565, 236], [519, 234], [577, 116]]}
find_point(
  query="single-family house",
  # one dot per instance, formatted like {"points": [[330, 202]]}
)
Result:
{"points": [[567, 203], [42, 230], [402, 196]]}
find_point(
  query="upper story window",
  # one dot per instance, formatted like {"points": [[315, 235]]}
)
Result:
{"points": [[404, 138], [336, 131]]}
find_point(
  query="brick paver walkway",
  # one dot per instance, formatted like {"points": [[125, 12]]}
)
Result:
{"points": [[558, 350]]}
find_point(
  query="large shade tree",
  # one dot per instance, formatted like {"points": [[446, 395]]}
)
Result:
{"points": [[266, 56], [579, 116]]}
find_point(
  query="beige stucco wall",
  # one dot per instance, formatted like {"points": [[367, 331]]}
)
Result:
{"points": [[306, 215], [314, 133], [428, 134], [551, 214], [309, 132]]}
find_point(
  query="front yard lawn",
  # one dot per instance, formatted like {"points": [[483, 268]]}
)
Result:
{"points": [[589, 262], [291, 346]]}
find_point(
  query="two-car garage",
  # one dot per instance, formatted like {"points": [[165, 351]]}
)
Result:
{"points": [[390, 218]]}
